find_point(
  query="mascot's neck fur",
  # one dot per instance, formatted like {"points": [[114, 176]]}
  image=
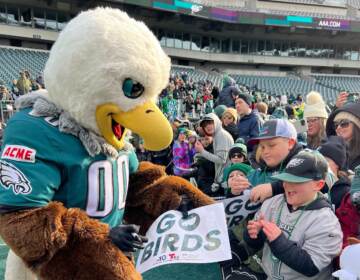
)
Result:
{"points": [[43, 107]]}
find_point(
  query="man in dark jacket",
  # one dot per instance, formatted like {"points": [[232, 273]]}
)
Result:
{"points": [[228, 94], [249, 123]]}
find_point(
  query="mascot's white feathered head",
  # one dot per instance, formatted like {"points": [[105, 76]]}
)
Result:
{"points": [[106, 70]]}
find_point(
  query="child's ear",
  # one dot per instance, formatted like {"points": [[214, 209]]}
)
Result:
{"points": [[319, 185], [292, 143]]}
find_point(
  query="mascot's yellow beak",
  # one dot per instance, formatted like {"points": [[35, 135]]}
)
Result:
{"points": [[145, 120]]}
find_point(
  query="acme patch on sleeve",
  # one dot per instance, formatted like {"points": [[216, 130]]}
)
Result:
{"points": [[19, 153]]}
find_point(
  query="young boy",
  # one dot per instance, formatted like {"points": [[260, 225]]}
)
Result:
{"points": [[238, 153], [233, 176], [298, 231], [277, 142]]}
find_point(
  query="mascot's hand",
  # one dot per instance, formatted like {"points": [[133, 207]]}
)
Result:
{"points": [[186, 205], [126, 238]]}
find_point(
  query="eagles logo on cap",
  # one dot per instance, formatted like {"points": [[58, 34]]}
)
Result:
{"points": [[306, 166]]}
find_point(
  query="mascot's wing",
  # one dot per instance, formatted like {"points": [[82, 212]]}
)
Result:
{"points": [[152, 192], [59, 244]]}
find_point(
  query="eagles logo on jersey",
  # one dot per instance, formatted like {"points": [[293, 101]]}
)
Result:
{"points": [[11, 177]]}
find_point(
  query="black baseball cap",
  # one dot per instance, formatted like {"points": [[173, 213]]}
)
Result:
{"points": [[306, 166]]}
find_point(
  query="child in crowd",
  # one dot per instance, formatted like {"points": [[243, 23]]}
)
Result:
{"points": [[192, 138], [229, 120], [277, 144], [298, 231], [232, 175], [238, 153], [334, 151], [181, 158]]}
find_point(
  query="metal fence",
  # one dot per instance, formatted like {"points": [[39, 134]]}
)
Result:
{"points": [[7, 109]]}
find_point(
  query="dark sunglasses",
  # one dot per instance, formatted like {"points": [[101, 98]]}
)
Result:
{"points": [[237, 155], [342, 124]]}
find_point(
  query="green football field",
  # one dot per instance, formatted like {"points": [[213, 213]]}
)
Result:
{"points": [[3, 254]]}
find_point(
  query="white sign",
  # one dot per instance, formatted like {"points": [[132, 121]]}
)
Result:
{"points": [[238, 208], [201, 238]]}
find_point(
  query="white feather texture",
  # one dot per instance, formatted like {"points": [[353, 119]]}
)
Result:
{"points": [[92, 57]]}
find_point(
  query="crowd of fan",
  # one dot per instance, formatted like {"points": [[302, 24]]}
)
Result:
{"points": [[300, 159]]}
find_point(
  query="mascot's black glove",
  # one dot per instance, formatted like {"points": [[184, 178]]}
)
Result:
{"points": [[185, 206], [126, 238]]}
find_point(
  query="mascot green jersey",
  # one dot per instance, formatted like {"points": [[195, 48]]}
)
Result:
{"points": [[36, 160], [74, 201]]}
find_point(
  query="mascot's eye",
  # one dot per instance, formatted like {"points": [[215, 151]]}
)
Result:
{"points": [[132, 89]]}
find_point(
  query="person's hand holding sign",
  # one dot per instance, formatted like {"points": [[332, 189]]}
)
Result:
{"points": [[255, 226]]}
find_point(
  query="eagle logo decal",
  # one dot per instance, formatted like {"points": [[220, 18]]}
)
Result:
{"points": [[11, 177]]}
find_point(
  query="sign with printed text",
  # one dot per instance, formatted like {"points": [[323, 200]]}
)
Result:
{"points": [[333, 24], [200, 238], [238, 208]]}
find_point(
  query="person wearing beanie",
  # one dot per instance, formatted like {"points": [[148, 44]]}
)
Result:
{"points": [[238, 153], [231, 175], [219, 110], [192, 138], [229, 120], [334, 151], [250, 122], [345, 122], [349, 211], [315, 115], [181, 156]]}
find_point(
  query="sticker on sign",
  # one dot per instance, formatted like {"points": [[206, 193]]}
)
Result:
{"points": [[196, 239]]}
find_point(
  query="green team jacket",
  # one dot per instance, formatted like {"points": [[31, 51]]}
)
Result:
{"points": [[40, 164]]}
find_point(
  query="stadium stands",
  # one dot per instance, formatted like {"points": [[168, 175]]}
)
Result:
{"points": [[338, 3], [243, 6], [303, 13], [285, 85], [13, 60], [350, 84]]}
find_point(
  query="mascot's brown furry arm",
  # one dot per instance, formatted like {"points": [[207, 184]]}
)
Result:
{"points": [[56, 242]]}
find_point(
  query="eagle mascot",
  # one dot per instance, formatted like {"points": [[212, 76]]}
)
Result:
{"points": [[71, 188]]}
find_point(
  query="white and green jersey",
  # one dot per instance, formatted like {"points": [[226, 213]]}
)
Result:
{"points": [[40, 164]]}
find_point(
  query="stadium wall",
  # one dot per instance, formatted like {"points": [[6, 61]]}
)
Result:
{"points": [[254, 59]]}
